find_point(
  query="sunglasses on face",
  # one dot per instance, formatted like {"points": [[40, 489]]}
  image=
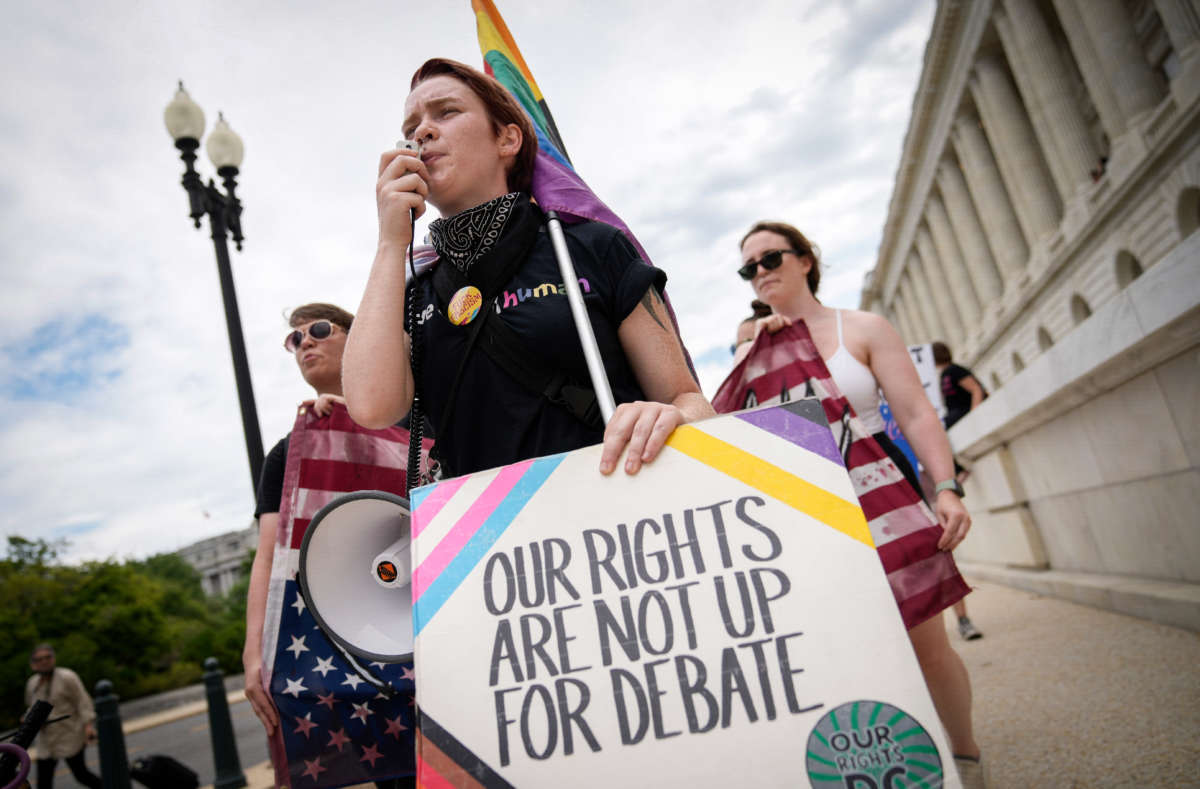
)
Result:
{"points": [[320, 330], [769, 261]]}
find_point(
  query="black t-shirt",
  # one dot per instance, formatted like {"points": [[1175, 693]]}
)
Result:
{"points": [[497, 420], [270, 484], [957, 398]]}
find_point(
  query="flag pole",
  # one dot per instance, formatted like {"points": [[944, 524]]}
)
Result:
{"points": [[583, 325]]}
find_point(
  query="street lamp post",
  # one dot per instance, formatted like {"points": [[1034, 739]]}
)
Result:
{"points": [[185, 122]]}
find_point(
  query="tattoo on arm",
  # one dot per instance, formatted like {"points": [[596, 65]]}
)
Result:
{"points": [[648, 302]]}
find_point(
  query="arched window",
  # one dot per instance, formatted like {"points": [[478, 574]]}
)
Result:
{"points": [[1080, 311], [1017, 362], [1187, 212], [1128, 269], [1044, 339]]}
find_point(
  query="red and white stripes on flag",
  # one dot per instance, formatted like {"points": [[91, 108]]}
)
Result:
{"points": [[786, 366]]}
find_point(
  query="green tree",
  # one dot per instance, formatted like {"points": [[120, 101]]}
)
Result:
{"points": [[144, 624]]}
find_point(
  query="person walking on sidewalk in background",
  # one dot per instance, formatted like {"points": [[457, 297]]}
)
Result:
{"points": [[67, 738], [961, 392]]}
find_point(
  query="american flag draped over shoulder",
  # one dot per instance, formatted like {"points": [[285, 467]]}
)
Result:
{"points": [[786, 366], [335, 728]]}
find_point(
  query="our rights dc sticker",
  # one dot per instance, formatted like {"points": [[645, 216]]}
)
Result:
{"points": [[872, 745]]}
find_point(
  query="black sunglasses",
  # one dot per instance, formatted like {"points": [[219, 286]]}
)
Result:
{"points": [[319, 330], [769, 261]]}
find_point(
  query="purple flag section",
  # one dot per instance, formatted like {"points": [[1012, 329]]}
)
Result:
{"points": [[559, 188], [816, 438]]}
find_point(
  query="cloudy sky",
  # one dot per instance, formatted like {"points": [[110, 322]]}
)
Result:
{"points": [[691, 119]]}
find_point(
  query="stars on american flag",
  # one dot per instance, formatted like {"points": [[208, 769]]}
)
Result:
{"points": [[394, 727], [338, 738], [305, 725], [313, 768], [297, 646], [294, 686], [333, 728], [370, 754]]}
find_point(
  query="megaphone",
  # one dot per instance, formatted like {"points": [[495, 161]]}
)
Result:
{"points": [[356, 572]]}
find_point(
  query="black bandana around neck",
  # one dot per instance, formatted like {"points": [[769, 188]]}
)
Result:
{"points": [[467, 236]]}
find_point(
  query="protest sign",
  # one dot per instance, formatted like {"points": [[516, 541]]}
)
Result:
{"points": [[719, 619], [931, 382]]}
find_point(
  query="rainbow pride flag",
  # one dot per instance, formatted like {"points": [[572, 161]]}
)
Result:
{"points": [[556, 185]]}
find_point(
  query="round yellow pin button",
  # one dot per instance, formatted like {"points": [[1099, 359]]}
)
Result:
{"points": [[464, 306]]}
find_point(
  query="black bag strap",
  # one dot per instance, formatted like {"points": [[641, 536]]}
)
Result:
{"points": [[506, 349]]}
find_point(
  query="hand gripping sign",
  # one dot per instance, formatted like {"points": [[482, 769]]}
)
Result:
{"points": [[719, 619]]}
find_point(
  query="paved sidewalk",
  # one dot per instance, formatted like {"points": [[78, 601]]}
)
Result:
{"points": [[1069, 697]]}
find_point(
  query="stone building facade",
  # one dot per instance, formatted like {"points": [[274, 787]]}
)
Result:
{"points": [[219, 559], [1043, 225]]}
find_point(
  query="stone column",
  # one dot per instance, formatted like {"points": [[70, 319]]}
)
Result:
{"points": [[1091, 67], [1043, 81], [999, 220], [902, 323], [977, 256], [954, 264], [916, 318], [1181, 20], [1018, 157], [1110, 28], [929, 313], [939, 287], [892, 313]]}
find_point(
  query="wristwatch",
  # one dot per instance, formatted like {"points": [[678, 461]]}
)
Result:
{"points": [[949, 484]]}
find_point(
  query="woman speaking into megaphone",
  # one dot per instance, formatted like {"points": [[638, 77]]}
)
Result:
{"points": [[484, 343]]}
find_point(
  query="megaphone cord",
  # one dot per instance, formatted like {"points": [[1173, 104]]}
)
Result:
{"points": [[415, 417], [379, 683]]}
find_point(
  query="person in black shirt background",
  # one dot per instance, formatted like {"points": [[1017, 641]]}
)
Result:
{"points": [[961, 392]]}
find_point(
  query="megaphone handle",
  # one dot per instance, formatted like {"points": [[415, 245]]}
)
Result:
{"points": [[583, 326]]}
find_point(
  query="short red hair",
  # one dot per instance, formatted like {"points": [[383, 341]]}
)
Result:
{"points": [[501, 107]]}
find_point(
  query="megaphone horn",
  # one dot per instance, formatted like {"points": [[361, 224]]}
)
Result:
{"points": [[355, 573]]}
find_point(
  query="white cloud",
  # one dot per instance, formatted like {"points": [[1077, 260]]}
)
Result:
{"points": [[691, 120]]}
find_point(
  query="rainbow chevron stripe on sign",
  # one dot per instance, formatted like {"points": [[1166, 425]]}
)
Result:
{"points": [[457, 521]]}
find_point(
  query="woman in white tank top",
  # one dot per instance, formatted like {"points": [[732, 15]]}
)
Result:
{"points": [[864, 354]]}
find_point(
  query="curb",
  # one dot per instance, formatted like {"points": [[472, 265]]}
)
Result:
{"points": [[1166, 602], [177, 713]]}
